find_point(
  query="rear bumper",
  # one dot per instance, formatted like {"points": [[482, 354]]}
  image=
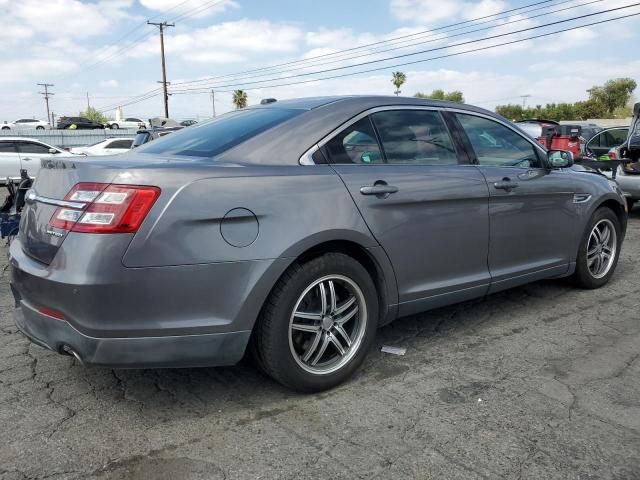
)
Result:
{"points": [[134, 352]]}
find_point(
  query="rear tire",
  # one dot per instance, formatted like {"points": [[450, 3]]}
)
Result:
{"points": [[114, 126], [599, 250], [40, 128], [318, 323]]}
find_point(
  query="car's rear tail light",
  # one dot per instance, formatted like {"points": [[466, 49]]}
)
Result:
{"points": [[106, 208]]}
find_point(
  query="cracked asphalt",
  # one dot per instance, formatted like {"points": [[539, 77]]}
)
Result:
{"points": [[539, 382]]}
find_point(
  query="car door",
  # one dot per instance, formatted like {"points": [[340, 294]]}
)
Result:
{"points": [[531, 207], [428, 211], [604, 141], [9, 160], [30, 155]]}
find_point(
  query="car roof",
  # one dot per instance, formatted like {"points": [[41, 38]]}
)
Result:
{"points": [[365, 102], [22, 138]]}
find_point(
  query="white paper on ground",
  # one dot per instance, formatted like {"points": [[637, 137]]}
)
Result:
{"points": [[394, 350]]}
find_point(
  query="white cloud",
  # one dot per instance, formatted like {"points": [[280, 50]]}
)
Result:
{"points": [[193, 8], [33, 69], [228, 42], [108, 84], [425, 11]]}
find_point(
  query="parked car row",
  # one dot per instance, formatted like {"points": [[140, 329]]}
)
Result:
{"points": [[26, 124]]}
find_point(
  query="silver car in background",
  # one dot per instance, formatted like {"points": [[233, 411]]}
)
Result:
{"points": [[295, 229]]}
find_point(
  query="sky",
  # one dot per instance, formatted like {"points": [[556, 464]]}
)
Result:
{"points": [[105, 49]]}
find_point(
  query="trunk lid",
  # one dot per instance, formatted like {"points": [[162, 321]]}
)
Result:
{"points": [[55, 179]]}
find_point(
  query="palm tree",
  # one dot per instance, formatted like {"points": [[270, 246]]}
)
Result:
{"points": [[239, 99], [398, 80]]}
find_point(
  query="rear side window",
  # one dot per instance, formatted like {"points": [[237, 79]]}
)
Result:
{"points": [[7, 147], [28, 147], [496, 145], [355, 144], [216, 136]]}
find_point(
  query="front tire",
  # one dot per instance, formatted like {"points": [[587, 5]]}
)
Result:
{"points": [[318, 324], [599, 250], [40, 127], [114, 126]]}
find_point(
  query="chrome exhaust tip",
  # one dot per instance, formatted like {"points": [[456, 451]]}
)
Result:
{"points": [[67, 350]]}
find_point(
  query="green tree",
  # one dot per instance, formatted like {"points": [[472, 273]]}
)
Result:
{"points": [[439, 94], [399, 79], [614, 94], [94, 115], [239, 99]]}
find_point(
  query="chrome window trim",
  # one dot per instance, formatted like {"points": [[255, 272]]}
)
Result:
{"points": [[306, 159]]}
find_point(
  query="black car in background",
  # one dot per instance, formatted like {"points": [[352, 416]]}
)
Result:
{"points": [[81, 123], [146, 135]]}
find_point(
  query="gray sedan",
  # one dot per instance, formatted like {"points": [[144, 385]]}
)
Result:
{"points": [[293, 230]]}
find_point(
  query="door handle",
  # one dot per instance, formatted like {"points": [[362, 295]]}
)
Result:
{"points": [[26, 159], [381, 190], [505, 184]]}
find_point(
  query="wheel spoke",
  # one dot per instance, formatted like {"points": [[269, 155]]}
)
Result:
{"points": [[303, 327], [308, 315], [336, 344], [313, 347], [323, 298], [332, 297], [323, 348], [345, 306], [606, 234], [343, 333], [347, 316]]}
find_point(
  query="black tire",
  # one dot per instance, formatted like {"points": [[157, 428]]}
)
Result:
{"points": [[583, 276], [114, 126], [273, 344], [40, 128], [6, 128]]}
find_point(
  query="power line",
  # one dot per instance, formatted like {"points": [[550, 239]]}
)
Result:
{"points": [[489, 47], [420, 52], [422, 42]]}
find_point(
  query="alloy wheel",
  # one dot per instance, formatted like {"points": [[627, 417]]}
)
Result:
{"points": [[601, 248], [328, 324]]}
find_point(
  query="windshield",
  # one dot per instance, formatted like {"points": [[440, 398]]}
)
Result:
{"points": [[141, 138], [533, 129], [216, 136]]}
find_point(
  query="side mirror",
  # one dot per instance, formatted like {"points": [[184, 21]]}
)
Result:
{"points": [[560, 158], [53, 151]]}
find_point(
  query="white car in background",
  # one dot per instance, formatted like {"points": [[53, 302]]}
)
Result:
{"points": [[109, 146], [18, 153], [26, 124], [129, 122]]}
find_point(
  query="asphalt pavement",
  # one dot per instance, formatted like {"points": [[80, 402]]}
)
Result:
{"points": [[538, 382]]}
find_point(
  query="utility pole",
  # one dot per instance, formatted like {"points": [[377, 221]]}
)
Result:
{"points": [[213, 101], [524, 100], [88, 106], [47, 94], [162, 26]]}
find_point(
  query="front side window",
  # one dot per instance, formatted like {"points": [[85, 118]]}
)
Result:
{"points": [[356, 144], [29, 147], [216, 136], [496, 145], [615, 138], [414, 137]]}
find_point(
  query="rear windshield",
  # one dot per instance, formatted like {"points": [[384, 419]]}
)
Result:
{"points": [[216, 136]]}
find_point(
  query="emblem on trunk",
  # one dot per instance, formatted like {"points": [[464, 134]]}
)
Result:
{"points": [[54, 233]]}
